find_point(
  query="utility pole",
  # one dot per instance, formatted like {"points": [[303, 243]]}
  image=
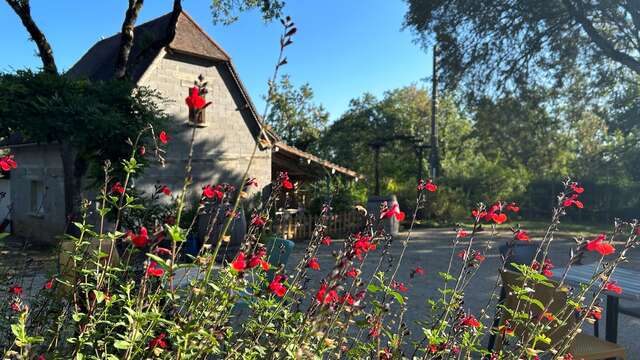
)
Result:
{"points": [[434, 158]]}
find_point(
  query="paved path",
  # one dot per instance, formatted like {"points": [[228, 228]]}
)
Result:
{"points": [[431, 250]]}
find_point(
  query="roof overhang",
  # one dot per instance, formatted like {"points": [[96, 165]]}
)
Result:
{"points": [[301, 164]]}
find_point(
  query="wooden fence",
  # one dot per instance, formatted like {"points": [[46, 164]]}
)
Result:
{"points": [[300, 226]]}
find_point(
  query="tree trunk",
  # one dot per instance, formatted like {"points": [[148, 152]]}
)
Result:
{"points": [[23, 10], [126, 39]]}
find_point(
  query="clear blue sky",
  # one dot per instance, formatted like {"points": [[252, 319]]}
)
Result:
{"points": [[343, 48]]}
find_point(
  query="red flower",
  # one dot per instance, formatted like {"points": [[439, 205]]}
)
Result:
{"points": [[313, 264], [546, 267], [283, 179], [258, 259], [573, 200], [49, 284], [352, 273], [512, 207], [576, 189], [41, 357], [142, 150], [158, 341], [479, 257], [326, 240], [164, 138], [194, 100], [140, 240], [499, 218], [399, 286], [7, 163], [154, 270], [258, 221], [470, 321], [240, 262], [276, 285], [210, 192], [417, 271], [165, 190], [15, 307], [394, 211], [347, 298], [462, 233], [362, 245], [326, 297], [16, 290], [522, 235], [117, 188], [478, 214], [600, 246], [611, 286], [428, 185]]}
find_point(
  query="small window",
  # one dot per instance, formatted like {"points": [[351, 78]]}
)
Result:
{"points": [[37, 198]]}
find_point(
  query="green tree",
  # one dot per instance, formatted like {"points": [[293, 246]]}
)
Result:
{"points": [[228, 11], [294, 116], [502, 43]]}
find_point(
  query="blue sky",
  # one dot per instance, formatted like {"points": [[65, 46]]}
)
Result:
{"points": [[343, 48]]}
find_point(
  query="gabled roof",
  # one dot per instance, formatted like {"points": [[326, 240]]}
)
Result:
{"points": [[99, 62]]}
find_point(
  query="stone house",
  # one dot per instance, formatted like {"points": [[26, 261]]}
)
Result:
{"points": [[224, 141]]}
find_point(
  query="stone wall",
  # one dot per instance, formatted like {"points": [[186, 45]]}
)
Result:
{"points": [[37, 190], [223, 146]]}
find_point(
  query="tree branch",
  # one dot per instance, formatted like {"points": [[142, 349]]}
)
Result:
{"points": [[23, 10], [599, 40], [126, 39]]}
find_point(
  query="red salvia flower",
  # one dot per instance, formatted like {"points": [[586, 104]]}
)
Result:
{"points": [[499, 218], [478, 214], [142, 150], [549, 316], [417, 271], [600, 246], [164, 138], [139, 240], [462, 233], [259, 260], [240, 262], [16, 290], [573, 200], [117, 188], [348, 299], [210, 192], [158, 341], [15, 307], [326, 240], [326, 297], [276, 285], [41, 357], [352, 273], [399, 286], [165, 190], [471, 321], [522, 235], [512, 207], [258, 221], [194, 100], [154, 270], [394, 211], [576, 189], [7, 163], [427, 185], [611, 286], [49, 284], [313, 264]]}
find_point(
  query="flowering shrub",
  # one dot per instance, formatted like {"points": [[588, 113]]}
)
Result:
{"points": [[127, 294]]}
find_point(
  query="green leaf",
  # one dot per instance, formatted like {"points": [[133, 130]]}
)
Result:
{"points": [[122, 344], [373, 288], [99, 296], [3, 235]]}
